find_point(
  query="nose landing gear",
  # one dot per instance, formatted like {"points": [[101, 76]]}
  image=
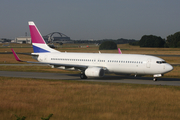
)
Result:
{"points": [[154, 79], [156, 75]]}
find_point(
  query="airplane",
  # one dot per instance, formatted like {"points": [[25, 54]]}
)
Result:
{"points": [[95, 64], [119, 50]]}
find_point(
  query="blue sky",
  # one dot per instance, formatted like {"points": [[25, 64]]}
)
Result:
{"points": [[91, 19]]}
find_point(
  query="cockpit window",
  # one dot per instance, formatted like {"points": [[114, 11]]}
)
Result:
{"points": [[160, 62]]}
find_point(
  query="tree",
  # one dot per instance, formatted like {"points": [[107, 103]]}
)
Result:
{"points": [[151, 41], [108, 45], [173, 40], [178, 44], [136, 43]]}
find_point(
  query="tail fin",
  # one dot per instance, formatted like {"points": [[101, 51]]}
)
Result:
{"points": [[119, 50], [39, 45]]}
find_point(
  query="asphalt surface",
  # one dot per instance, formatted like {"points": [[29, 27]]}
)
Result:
{"points": [[107, 78]]}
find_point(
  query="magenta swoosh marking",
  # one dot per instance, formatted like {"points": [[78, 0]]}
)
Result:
{"points": [[16, 57], [35, 35], [119, 51]]}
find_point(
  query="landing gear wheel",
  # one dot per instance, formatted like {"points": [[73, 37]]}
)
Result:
{"points": [[83, 76], [154, 79]]}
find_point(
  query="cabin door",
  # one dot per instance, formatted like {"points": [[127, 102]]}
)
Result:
{"points": [[148, 64]]}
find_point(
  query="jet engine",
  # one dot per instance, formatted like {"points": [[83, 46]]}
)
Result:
{"points": [[94, 72]]}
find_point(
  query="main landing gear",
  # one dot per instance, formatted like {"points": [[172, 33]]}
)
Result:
{"points": [[82, 75]]}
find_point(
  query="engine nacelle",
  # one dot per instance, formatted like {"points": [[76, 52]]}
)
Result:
{"points": [[94, 72]]}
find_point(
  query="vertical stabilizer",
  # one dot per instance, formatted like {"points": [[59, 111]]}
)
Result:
{"points": [[119, 50], [39, 45]]}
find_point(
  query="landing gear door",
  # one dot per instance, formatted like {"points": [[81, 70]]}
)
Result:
{"points": [[148, 64]]}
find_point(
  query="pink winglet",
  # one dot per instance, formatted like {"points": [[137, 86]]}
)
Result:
{"points": [[35, 34], [119, 51], [16, 57]]}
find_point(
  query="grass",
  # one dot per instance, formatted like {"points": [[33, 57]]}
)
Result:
{"points": [[126, 48], [174, 73], [35, 69], [172, 60], [35, 98]]}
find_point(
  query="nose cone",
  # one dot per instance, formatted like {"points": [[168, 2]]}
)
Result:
{"points": [[169, 67]]}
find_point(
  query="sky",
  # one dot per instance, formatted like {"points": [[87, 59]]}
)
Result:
{"points": [[91, 19]]}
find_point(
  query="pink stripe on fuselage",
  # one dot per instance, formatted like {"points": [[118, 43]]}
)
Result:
{"points": [[35, 35]]}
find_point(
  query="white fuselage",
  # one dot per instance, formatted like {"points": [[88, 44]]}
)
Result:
{"points": [[115, 63]]}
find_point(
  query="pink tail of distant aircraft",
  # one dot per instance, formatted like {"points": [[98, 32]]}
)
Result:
{"points": [[95, 64], [119, 51]]}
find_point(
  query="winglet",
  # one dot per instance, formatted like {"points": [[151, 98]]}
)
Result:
{"points": [[119, 51], [15, 55]]}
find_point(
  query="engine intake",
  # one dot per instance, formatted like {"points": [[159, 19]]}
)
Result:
{"points": [[94, 72]]}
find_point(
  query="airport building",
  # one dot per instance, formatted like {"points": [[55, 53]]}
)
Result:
{"points": [[1, 41], [57, 37], [23, 39]]}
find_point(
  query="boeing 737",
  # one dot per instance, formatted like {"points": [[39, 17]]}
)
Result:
{"points": [[95, 64]]}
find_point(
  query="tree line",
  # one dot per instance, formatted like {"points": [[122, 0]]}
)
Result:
{"points": [[172, 41], [117, 41]]}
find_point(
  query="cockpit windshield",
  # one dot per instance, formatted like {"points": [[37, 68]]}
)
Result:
{"points": [[160, 62]]}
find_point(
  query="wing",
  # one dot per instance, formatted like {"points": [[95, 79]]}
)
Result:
{"points": [[81, 67]]}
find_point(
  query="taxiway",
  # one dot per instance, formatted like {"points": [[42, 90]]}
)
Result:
{"points": [[107, 78]]}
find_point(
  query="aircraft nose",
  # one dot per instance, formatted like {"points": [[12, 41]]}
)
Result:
{"points": [[169, 67]]}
